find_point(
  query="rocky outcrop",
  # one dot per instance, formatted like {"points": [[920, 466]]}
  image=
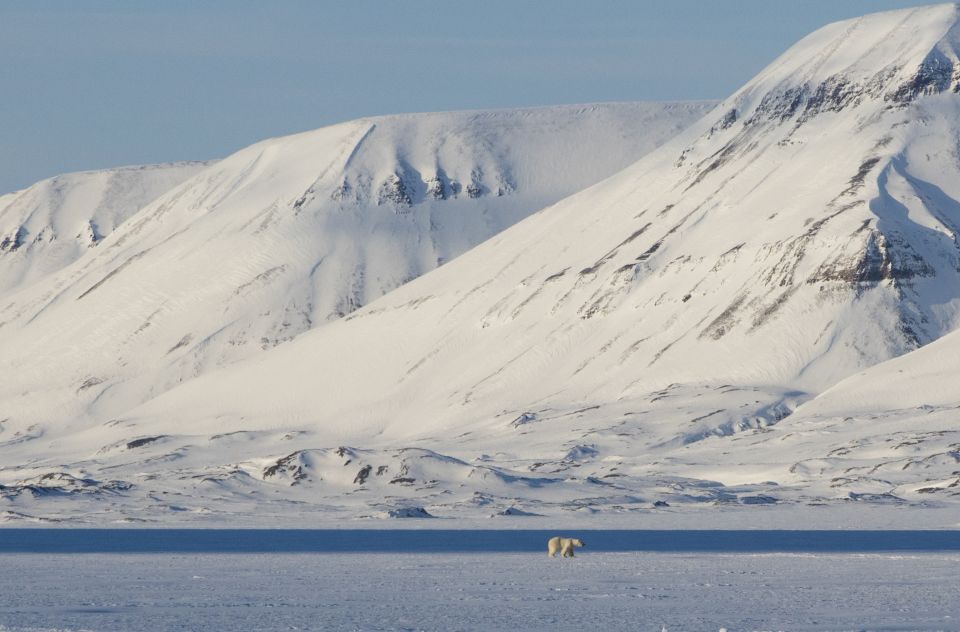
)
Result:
{"points": [[406, 187], [15, 240], [62, 483]]}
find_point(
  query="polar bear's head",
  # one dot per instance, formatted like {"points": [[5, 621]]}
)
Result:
{"points": [[577, 542]]}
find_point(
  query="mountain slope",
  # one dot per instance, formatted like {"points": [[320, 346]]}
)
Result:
{"points": [[889, 432], [49, 225], [289, 234]]}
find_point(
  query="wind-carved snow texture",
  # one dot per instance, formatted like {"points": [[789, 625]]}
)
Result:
{"points": [[709, 328]]}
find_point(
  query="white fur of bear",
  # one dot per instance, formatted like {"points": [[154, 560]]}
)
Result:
{"points": [[564, 546]]}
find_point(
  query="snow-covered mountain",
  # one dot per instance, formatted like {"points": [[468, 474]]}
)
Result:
{"points": [[705, 327], [286, 235], [49, 225]]}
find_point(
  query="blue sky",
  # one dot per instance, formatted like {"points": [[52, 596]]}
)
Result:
{"points": [[95, 84]]}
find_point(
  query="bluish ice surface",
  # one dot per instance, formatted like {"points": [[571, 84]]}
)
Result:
{"points": [[134, 540]]}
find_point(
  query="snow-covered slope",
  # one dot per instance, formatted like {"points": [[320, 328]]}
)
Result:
{"points": [[888, 433], [286, 235], [49, 225], [647, 339]]}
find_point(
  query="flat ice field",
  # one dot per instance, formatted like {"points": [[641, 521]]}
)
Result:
{"points": [[457, 590]]}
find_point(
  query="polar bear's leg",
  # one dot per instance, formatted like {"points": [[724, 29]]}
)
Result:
{"points": [[567, 550], [553, 546]]}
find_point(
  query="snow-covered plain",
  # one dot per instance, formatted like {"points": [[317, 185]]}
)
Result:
{"points": [[460, 591]]}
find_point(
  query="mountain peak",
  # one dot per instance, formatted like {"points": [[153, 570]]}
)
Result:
{"points": [[893, 57]]}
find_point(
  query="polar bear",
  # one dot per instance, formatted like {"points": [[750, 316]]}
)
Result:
{"points": [[564, 546]]}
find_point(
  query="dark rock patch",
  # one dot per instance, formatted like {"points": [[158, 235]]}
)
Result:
{"points": [[139, 443], [288, 465], [362, 475], [409, 512]]}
